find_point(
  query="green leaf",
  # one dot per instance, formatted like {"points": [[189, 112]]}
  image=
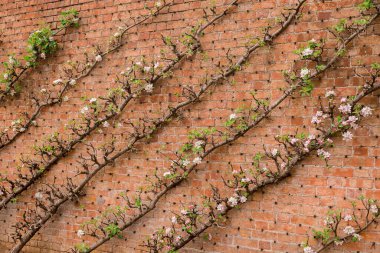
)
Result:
{"points": [[307, 90], [113, 230], [138, 202], [366, 5], [341, 26], [82, 248], [375, 66]]}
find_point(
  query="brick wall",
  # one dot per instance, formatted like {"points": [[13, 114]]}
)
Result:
{"points": [[275, 220]]}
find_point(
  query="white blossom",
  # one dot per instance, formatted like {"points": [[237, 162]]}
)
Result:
{"points": [[43, 90], [158, 4], [221, 207], [117, 34], [156, 65], [308, 249], [174, 219], [65, 98], [349, 230], [197, 160], [307, 52], [98, 58], [366, 111], [245, 180], [347, 217], [328, 221], [232, 201], [11, 60], [147, 69], [58, 81], [274, 152], [347, 136], [167, 174], [80, 233], [84, 110], [353, 119], [293, 141], [233, 116], [243, 199], [6, 76], [93, 100], [323, 153], [106, 124], [357, 237], [315, 120], [304, 72], [149, 88], [338, 242], [38, 196], [185, 162], [374, 209], [199, 143], [183, 212], [345, 108], [319, 114], [43, 55], [73, 82]]}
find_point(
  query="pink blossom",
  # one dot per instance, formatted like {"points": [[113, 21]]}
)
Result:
{"points": [[347, 136]]}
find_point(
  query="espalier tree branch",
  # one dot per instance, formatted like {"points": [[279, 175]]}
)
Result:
{"points": [[139, 78], [108, 227], [73, 72], [55, 196], [336, 118], [335, 234], [41, 44], [156, 190]]}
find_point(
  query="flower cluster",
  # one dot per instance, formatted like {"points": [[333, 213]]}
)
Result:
{"points": [[41, 44], [312, 51], [341, 228]]}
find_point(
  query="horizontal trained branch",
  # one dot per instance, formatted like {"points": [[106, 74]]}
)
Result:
{"points": [[41, 44], [74, 71], [55, 195], [333, 120]]}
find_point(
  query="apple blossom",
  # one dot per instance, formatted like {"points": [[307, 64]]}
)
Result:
{"points": [[80, 233], [304, 72], [349, 230], [307, 52], [197, 160], [347, 136], [98, 58]]}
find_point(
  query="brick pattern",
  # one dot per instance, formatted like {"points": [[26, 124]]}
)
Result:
{"points": [[276, 220]]}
